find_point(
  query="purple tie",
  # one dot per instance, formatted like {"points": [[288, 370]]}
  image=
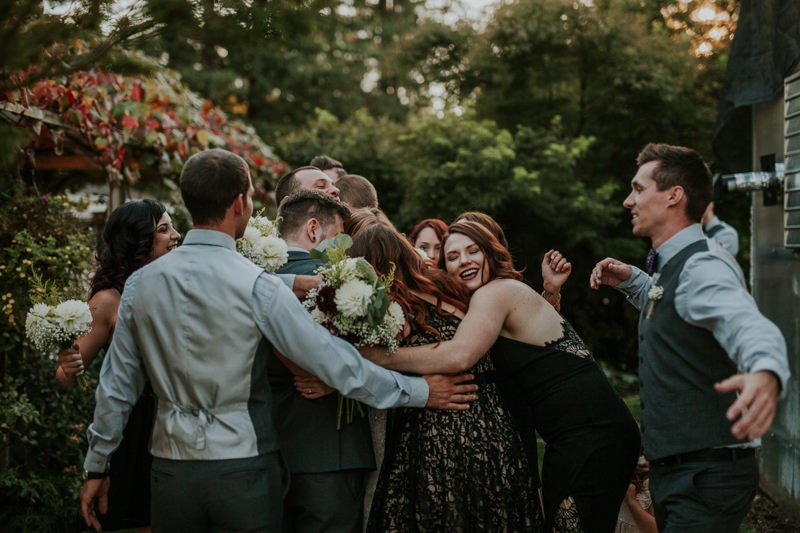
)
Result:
{"points": [[650, 263]]}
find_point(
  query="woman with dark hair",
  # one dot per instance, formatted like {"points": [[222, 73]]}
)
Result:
{"points": [[444, 470], [427, 236], [592, 440], [135, 234]]}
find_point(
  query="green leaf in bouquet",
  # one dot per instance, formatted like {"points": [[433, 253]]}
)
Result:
{"points": [[334, 249], [376, 310], [365, 271]]}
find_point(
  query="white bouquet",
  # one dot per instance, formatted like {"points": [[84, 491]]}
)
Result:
{"points": [[353, 302], [55, 327], [262, 245]]}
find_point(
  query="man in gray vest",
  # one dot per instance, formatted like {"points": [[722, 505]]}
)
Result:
{"points": [[200, 325], [711, 365]]}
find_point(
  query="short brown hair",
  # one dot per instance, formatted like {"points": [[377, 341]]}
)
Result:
{"points": [[684, 167], [210, 181], [287, 184], [357, 191], [303, 205]]}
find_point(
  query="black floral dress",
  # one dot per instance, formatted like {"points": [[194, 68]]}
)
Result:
{"points": [[446, 470]]}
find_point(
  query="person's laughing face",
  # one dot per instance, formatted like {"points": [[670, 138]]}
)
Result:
{"points": [[465, 261]]}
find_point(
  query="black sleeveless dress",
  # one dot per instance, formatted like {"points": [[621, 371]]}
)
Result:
{"points": [[592, 440], [454, 470], [129, 494]]}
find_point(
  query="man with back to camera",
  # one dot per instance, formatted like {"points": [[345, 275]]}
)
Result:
{"points": [[711, 365], [200, 327]]}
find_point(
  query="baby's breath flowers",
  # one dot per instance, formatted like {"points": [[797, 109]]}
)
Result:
{"points": [[54, 327]]}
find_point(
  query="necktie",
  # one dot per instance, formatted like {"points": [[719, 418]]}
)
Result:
{"points": [[650, 262]]}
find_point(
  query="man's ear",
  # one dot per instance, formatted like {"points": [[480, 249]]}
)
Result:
{"points": [[676, 195], [238, 205], [311, 226]]}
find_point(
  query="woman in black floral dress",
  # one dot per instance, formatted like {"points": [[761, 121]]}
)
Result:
{"points": [[445, 470], [592, 440]]}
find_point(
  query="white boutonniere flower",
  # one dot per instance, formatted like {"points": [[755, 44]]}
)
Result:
{"points": [[654, 295]]}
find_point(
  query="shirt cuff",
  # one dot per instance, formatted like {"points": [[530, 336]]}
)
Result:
{"points": [[288, 280], [418, 392], [768, 365]]}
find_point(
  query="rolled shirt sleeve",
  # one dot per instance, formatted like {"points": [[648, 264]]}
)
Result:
{"points": [[288, 326], [635, 287], [711, 294]]}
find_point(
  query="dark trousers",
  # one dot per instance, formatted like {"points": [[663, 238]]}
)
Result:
{"points": [[211, 496], [329, 501], [703, 496]]}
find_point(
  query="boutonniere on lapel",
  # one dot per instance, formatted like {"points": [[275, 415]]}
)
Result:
{"points": [[654, 295]]}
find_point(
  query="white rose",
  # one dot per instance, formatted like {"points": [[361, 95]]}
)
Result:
{"points": [[317, 315], [352, 298], [395, 317], [274, 253], [73, 315]]}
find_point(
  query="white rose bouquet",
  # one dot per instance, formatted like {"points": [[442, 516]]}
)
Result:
{"points": [[55, 327], [262, 245], [353, 302]]}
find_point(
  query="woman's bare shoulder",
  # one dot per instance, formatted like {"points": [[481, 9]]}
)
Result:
{"points": [[105, 301]]}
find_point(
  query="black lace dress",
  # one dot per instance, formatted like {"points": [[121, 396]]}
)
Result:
{"points": [[592, 439], [454, 470]]}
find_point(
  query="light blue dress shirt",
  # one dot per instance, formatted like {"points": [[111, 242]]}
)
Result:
{"points": [[188, 369], [712, 294]]}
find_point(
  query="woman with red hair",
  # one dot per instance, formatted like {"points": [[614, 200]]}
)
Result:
{"points": [[592, 440], [427, 236], [445, 470]]}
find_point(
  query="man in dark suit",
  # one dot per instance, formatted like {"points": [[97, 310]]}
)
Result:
{"points": [[327, 465]]}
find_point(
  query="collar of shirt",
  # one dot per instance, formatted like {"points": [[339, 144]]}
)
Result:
{"points": [[209, 237], [678, 242]]}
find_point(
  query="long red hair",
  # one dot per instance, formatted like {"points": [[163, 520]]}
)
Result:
{"points": [[498, 259], [385, 248]]}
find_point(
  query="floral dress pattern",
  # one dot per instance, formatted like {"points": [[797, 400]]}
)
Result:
{"points": [[446, 470]]}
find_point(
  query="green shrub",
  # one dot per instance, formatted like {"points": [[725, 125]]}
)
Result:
{"points": [[42, 428]]}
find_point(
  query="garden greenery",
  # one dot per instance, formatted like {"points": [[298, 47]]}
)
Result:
{"points": [[42, 427]]}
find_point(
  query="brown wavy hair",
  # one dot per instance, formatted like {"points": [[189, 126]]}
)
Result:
{"points": [[365, 217], [487, 222], [498, 258], [385, 248]]}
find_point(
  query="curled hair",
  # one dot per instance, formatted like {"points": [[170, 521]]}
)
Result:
{"points": [[684, 167], [487, 222], [127, 243], [438, 227], [385, 248], [498, 259]]}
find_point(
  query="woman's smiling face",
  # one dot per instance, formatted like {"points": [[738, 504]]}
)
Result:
{"points": [[465, 261]]}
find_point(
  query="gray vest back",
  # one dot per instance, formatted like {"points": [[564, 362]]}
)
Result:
{"points": [[204, 355]]}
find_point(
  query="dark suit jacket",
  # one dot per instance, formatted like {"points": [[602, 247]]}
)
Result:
{"points": [[306, 429]]}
